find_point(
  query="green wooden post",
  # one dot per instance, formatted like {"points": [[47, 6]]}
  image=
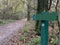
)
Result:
{"points": [[44, 33]]}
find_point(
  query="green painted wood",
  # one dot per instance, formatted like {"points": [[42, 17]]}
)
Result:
{"points": [[44, 33], [47, 16]]}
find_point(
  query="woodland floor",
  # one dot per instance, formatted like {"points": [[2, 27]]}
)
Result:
{"points": [[27, 36]]}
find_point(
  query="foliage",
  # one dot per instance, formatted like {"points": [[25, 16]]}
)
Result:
{"points": [[17, 7], [23, 37], [34, 41], [12, 7], [54, 39]]}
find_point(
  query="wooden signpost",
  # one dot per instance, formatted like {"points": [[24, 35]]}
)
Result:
{"points": [[45, 16]]}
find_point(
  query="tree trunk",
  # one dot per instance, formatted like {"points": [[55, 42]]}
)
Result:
{"points": [[40, 8], [28, 13]]}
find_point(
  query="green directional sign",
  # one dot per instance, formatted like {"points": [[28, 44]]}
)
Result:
{"points": [[47, 16]]}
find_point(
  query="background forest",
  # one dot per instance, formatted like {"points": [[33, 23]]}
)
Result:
{"points": [[16, 9]]}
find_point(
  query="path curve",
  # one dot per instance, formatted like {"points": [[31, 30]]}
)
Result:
{"points": [[7, 31]]}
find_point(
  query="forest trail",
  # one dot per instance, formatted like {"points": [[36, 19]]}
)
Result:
{"points": [[9, 30]]}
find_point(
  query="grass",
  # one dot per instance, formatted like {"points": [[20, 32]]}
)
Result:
{"points": [[34, 41], [3, 22]]}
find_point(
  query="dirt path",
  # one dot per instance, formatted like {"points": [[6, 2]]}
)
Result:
{"points": [[9, 30]]}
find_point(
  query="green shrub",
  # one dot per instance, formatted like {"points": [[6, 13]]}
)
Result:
{"points": [[54, 40], [34, 41], [23, 37]]}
